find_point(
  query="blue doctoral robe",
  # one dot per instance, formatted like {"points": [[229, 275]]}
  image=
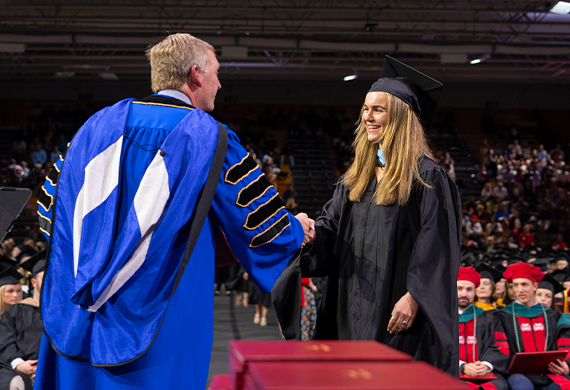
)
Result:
{"points": [[118, 221]]}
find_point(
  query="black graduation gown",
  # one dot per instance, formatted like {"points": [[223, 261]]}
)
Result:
{"points": [[20, 335], [372, 256], [505, 317], [492, 347]]}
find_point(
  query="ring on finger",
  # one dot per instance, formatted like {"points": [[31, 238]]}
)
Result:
{"points": [[404, 323]]}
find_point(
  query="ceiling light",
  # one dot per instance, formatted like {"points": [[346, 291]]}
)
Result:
{"points": [[480, 59], [350, 77], [108, 76], [63, 75], [562, 8]]}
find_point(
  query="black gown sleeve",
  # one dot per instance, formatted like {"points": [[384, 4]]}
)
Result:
{"points": [[433, 268], [563, 337], [317, 259], [494, 346], [9, 337]]}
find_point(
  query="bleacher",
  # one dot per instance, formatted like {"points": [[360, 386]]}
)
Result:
{"points": [[313, 175], [466, 166]]}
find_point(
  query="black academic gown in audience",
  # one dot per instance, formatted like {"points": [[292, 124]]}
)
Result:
{"points": [[372, 256], [20, 335], [536, 329], [489, 344]]}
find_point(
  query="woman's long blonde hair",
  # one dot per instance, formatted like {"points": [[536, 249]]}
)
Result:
{"points": [[403, 143], [3, 306]]}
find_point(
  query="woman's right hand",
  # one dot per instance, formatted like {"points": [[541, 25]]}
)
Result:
{"points": [[28, 367]]}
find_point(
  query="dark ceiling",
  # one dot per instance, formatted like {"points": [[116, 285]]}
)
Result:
{"points": [[299, 40]]}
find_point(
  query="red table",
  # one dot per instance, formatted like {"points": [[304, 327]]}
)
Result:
{"points": [[221, 382], [348, 376], [243, 353]]}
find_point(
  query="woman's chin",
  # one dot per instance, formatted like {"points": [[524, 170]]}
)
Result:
{"points": [[374, 138]]}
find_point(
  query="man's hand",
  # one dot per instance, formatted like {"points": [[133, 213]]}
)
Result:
{"points": [[559, 367], [308, 227], [245, 276], [475, 369], [28, 367], [312, 287], [403, 314]]}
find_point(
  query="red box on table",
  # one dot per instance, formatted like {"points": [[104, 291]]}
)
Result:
{"points": [[221, 382], [243, 353], [348, 376]]}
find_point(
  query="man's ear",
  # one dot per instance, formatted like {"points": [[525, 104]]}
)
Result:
{"points": [[194, 76]]}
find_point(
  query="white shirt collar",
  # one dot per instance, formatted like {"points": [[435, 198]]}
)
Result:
{"points": [[173, 93], [535, 302]]}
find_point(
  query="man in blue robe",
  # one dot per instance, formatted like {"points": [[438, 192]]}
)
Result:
{"points": [[117, 211]]}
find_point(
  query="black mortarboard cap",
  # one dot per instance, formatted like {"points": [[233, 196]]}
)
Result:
{"points": [[543, 264], [414, 88], [514, 260], [497, 262], [10, 276], [39, 267], [550, 283], [467, 259], [501, 269], [562, 275], [29, 264], [488, 272], [12, 201], [27, 251], [7, 262]]}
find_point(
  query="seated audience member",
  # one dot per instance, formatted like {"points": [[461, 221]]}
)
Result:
{"points": [[500, 192], [563, 344], [290, 198], [508, 296], [485, 293], [546, 291], [561, 261], [559, 243], [10, 289], [20, 335], [483, 346], [500, 288], [526, 237], [530, 327]]}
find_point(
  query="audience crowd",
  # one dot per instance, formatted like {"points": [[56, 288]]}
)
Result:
{"points": [[521, 216]]}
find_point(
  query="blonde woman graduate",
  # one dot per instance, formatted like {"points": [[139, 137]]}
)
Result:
{"points": [[389, 239]]}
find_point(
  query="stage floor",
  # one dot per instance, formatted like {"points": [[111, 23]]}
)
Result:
{"points": [[236, 323]]}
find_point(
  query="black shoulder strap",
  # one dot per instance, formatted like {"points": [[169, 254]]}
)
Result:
{"points": [[205, 200]]}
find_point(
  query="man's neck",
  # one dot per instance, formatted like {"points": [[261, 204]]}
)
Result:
{"points": [[177, 94], [530, 303]]}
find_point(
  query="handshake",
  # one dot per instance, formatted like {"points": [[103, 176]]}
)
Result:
{"points": [[308, 227]]}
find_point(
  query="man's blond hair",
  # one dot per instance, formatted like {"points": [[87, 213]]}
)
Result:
{"points": [[172, 59]]}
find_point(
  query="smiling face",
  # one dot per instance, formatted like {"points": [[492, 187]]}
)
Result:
{"points": [[205, 95], [375, 114]]}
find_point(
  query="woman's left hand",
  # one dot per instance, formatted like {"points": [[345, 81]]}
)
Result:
{"points": [[403, 314]]}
